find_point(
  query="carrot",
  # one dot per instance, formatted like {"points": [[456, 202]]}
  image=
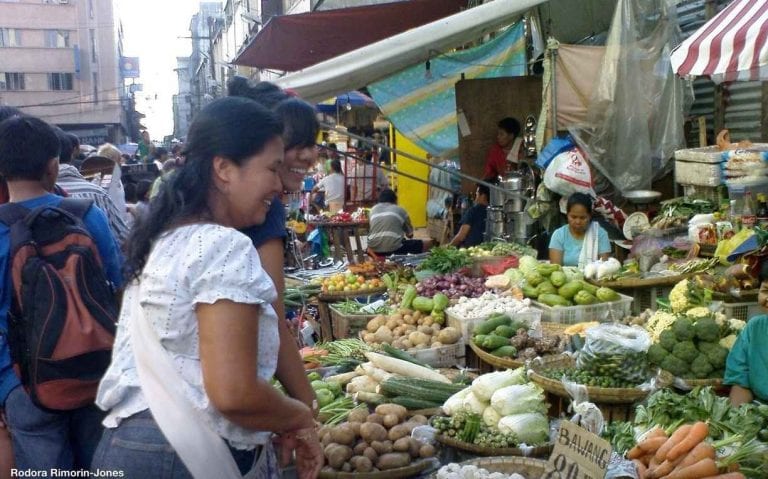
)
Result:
{"points": [[674, 439], [655, 432], [664, 469], [644, 447], [704, 468], [701, 451], [699, 431], [641, 469]]}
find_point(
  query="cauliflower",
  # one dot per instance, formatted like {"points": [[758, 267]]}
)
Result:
{"points": [[736, 324], [678, 297], [698, 312], [720, 319], [728, 341], [658, 322]]}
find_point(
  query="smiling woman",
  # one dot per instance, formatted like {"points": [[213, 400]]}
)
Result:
{"points": [[198, 315]]}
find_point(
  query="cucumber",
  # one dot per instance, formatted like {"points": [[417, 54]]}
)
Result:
{"points": [[492, 323], [413, 404], [423, 389], [505, 352]]}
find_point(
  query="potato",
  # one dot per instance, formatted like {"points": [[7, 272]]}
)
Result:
{"points": [[375, 418], [383, 335], [407, 344], [369, 338], [435, 328], [425, 329], [429, 321], [343, 434], [399, 330], [449, 335], [418, 337], [375, 324], [437, 344], [380, 447], [398, 343], [389, 408], [370, 431], [326, 439], [399, 315], [418, 419], [422, 346], [371, 454], [391, 420], [420, 321], [392, 323], [338, 455], [409, 321], [393, 460], [414, 446], [361, 464], [360, 447], [410, 328], [346, 467], [402, 445], [401, 430], [358, 415], [427, 450]]}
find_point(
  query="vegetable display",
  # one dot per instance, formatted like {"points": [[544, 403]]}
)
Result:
{"points": [[454, 286], [505, 337], [408, 329], [445, 259], [457, 471], [494, 248], [379, 441], [344, 283], [488, 304], [551, 285], [617, 352]]}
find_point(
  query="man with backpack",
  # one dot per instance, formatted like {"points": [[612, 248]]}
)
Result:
{"points": [[59, 269]]}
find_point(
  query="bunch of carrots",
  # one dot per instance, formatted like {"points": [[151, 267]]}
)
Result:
{"points": [[683, 455]]}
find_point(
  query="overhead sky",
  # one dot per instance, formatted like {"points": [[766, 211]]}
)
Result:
{"points": [[151, 29]]}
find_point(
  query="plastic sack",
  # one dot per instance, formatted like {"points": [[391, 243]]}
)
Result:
{"points": [[616, 351], [553, 148], [569, 173]]}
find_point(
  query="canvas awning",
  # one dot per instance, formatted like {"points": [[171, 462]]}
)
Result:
{"points": [[293, 42], [733, 45], [378, 60]]}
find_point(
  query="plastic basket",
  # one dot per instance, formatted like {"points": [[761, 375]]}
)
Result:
{"points": [[646, 298], [742, 311], [442, 357], [601, 312], [467, 326], [348, 325]]}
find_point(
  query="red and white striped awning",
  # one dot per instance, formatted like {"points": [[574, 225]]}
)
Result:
{"points": [[733, 45]]}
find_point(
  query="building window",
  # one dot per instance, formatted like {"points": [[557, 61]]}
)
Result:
{"points": [[11, 81], [10, 37], [90, 8], [60, 81], [93, 45], [57, 39], [95, 87]]}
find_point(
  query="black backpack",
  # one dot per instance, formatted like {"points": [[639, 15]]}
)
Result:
{"points": [[62, 320]]}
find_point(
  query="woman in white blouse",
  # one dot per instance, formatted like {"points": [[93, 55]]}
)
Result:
{"points": [[200, 294]]}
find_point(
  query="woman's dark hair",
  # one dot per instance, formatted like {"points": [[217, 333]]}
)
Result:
{"points": [[143, 187], [298, 117], [233, 128], [582, 199], [130, 193], [9, 111], [510, 125], [387, 196], [65, 148]]}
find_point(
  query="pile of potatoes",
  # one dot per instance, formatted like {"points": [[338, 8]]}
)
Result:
{"points": [[374, 442], [407, 329]]}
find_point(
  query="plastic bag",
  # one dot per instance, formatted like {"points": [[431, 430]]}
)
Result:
{"points": [[616, 351], [569, 173], [554, 148]]}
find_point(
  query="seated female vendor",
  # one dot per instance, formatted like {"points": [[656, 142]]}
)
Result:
{"points": [[582, 240], [746, 369]]}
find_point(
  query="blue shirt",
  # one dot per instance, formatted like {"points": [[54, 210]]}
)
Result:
{"points": [[273, 226], [475, 217], [97, 224], [747, 364], [571, 247]]}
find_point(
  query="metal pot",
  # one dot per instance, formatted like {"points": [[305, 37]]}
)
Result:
{"points": [[510, 185]]}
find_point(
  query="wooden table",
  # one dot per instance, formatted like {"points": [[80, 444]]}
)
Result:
{"points": [[340, 236]]}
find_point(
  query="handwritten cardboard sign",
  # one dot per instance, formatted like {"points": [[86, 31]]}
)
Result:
{"points": [[578, 454]]}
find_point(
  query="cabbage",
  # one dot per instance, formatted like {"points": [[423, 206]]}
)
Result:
{"points": [[572, 273], [529, 428], [472, 404], [484, 386], [519, 398], [527, 264], [515, 276], [454, 403], [491, 417]]}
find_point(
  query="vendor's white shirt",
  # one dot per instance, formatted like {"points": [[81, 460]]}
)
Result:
{"points": [[193, 264], [334, 188]]}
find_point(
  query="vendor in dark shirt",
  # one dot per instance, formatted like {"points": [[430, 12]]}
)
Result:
{"points": [[472, 229]]}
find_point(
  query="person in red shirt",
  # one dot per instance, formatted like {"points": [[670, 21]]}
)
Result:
{"points": [[504, 155]]}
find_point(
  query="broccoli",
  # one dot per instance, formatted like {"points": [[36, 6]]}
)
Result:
{"points": [[717, 374], [706, 329], [674, 365], [700, 368], [656, 354], [683, 329], [717, 355], [667, 340], [686, 351]]}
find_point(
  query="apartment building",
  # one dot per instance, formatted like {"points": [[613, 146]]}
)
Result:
{"points": [[59, 60]]}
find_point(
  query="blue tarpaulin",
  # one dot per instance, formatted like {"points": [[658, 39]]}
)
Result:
{"points": [[421, 103]]}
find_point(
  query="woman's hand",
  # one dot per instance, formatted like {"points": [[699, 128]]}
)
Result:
{"points": [[309, 453]]}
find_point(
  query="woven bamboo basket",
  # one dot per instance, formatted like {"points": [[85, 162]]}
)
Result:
{"points": [[401, 472], [527, 467], [540, 451], [596, 394], [547, 329]]}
